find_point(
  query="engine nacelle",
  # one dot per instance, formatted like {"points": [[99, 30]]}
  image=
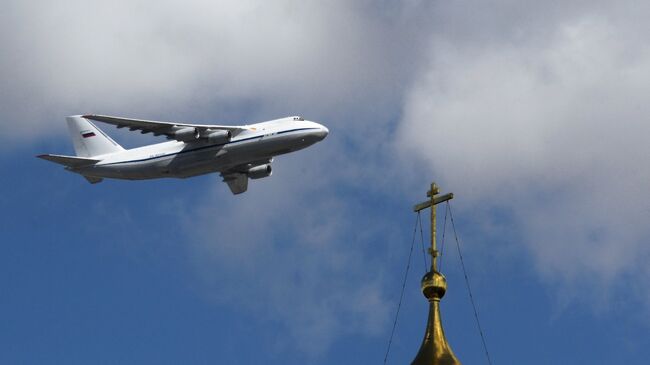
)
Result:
{"points": [[259, 172], [187, 134], [218, 136]]}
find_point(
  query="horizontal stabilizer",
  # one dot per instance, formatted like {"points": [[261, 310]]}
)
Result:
{"points": [[70, 161]]}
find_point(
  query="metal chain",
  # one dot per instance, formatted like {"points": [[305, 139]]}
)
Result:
{"points": [[442, 244], [401, 295], [469, 288], [424, 255]]}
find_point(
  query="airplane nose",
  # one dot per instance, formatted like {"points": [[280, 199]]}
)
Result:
{"points": [[322, 132]]}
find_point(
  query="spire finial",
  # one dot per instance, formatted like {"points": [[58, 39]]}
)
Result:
{"points": [[434, 349]]}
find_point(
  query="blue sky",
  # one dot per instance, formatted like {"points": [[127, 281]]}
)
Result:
{"points": [[534, 115]]}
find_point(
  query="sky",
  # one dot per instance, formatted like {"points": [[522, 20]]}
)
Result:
{"points": [[535, 114]]}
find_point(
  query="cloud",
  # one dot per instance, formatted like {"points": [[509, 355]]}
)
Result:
{"points": [[552, 128], [297, 256], [295, 242], [210, 60], [536, 108]]}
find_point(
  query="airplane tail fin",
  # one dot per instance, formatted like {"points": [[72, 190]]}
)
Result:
{"points": [[88, 140]]}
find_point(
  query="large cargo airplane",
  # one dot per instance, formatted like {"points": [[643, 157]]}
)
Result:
{"points": [[236, 152]]}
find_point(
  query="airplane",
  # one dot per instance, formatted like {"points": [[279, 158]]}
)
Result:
{"points": [[238, 153]]}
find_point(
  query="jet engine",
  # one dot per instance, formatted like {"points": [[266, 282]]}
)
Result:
{"points": [[187, 134], [259, 172], [218, 136]]}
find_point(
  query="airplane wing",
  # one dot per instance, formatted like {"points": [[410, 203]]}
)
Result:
{"points": [[237, 177], [185, 132]]}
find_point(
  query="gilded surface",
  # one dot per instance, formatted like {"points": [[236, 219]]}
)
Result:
{"points": [[435, 349]]}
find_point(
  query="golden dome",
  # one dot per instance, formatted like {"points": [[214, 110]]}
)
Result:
{"points": [[434, 285], [435, 349]]}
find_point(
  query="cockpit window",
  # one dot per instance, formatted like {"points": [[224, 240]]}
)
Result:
{"points": [[299, 118]]}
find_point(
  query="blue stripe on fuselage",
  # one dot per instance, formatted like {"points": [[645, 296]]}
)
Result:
{"points": [[202, 148]]}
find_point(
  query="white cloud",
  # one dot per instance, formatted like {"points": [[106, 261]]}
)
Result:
{"points": [[290, 252], [555, 130], [195, 60], [540, 108], [296, 256]]}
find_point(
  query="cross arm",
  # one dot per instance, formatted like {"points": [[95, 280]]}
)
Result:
{"points": [[437, 200]]}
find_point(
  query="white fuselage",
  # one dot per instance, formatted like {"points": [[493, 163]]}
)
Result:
{"points": [[260, 142]]}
